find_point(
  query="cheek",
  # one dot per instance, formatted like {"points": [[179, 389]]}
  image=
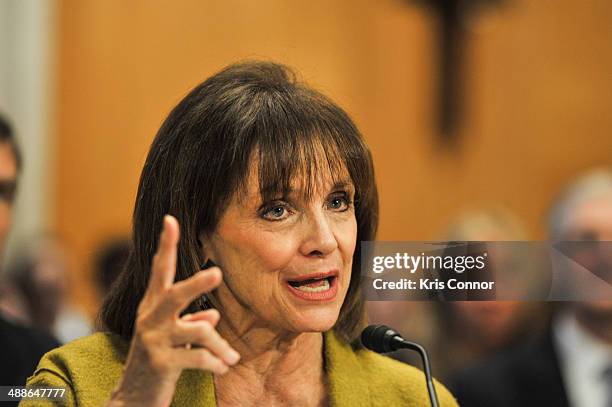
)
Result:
{"points": [[273, 252], [256, 254], [347, 239]]}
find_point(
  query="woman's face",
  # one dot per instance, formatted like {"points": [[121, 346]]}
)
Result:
{"points": [[286, 263]]}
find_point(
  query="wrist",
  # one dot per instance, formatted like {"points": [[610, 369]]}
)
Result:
{"points": [[132, 393]]}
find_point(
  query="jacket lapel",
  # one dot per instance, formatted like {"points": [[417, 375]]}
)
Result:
{"points": [[195, 388], [347, 380]]}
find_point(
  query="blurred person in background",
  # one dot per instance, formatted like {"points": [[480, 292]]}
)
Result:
{"points": [[478, 329], [458, 333], [571, 364], [39, 277], [110, 258], [20, 347]]}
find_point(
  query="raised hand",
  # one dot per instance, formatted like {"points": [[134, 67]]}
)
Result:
{"points": [[163, 343]]}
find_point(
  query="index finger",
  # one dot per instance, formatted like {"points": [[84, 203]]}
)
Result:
{"points": [[163, 268], [185, 291]]}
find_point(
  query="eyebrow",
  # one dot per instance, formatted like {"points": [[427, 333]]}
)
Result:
{"points": [[7, 189], [342, 184], [339, 184]]}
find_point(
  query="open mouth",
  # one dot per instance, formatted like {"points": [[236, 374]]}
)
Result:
{"points": [[313, 285]]}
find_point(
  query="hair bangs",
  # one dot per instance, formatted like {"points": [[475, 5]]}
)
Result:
{"points": [[307, 165]]}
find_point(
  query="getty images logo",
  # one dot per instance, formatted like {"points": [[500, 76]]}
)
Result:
{"points": [[412, 263]]}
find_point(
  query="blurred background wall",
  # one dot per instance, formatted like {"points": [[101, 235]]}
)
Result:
{"points": [[536, 80]]}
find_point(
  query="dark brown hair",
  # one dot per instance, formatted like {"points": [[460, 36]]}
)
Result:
{"points": [[8, 188], [7, 136], [200, 159]]}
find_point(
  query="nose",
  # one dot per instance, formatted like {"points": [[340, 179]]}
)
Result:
{"points": [[319, 239]]}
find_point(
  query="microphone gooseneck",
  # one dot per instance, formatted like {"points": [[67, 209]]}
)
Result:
{"points": [[382, 339]]}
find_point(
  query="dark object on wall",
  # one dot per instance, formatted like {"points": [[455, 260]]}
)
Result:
{"points": [[451, 15]]}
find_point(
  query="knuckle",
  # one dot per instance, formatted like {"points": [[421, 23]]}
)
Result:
{"points": [[203, 358], [203, 334], [205, 328], [172, 296]]}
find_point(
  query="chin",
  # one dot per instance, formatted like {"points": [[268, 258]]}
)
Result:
{"points": [[317, 320]]}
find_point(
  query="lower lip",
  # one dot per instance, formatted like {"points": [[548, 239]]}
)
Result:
{"points": [[317, 296]]}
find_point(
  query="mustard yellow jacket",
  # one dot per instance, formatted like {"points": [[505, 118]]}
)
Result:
{"points": [[91, 367]]}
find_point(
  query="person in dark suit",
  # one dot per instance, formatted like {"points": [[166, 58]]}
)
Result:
{"points": [[571, 365], [525, 376], [20, 347]]}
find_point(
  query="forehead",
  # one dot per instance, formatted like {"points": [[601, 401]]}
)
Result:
{"points": [[8, 166], [305, 182]]}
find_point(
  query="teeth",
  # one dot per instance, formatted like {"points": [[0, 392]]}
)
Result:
{"points": [[323, 287]]}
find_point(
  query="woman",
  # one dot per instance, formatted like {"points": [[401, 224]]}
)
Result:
{"points": [[272, 182]]}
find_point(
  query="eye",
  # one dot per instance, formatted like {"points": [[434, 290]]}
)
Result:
{"points": [[275, 212], [339, 202], [7, 191]]}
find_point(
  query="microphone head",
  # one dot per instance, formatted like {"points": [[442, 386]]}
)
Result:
{"points": [[380, 338]]}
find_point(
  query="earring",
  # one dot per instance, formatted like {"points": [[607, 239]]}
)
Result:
{"points": [[209, 263]]}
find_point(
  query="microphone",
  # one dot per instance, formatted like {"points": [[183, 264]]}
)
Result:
{"points": [[382, 339]]}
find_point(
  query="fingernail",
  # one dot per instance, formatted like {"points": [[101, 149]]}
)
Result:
{"points": [[164, 223]]}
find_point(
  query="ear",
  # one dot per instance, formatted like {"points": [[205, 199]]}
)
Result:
{"points": [[204, 251], [209, 263]]}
